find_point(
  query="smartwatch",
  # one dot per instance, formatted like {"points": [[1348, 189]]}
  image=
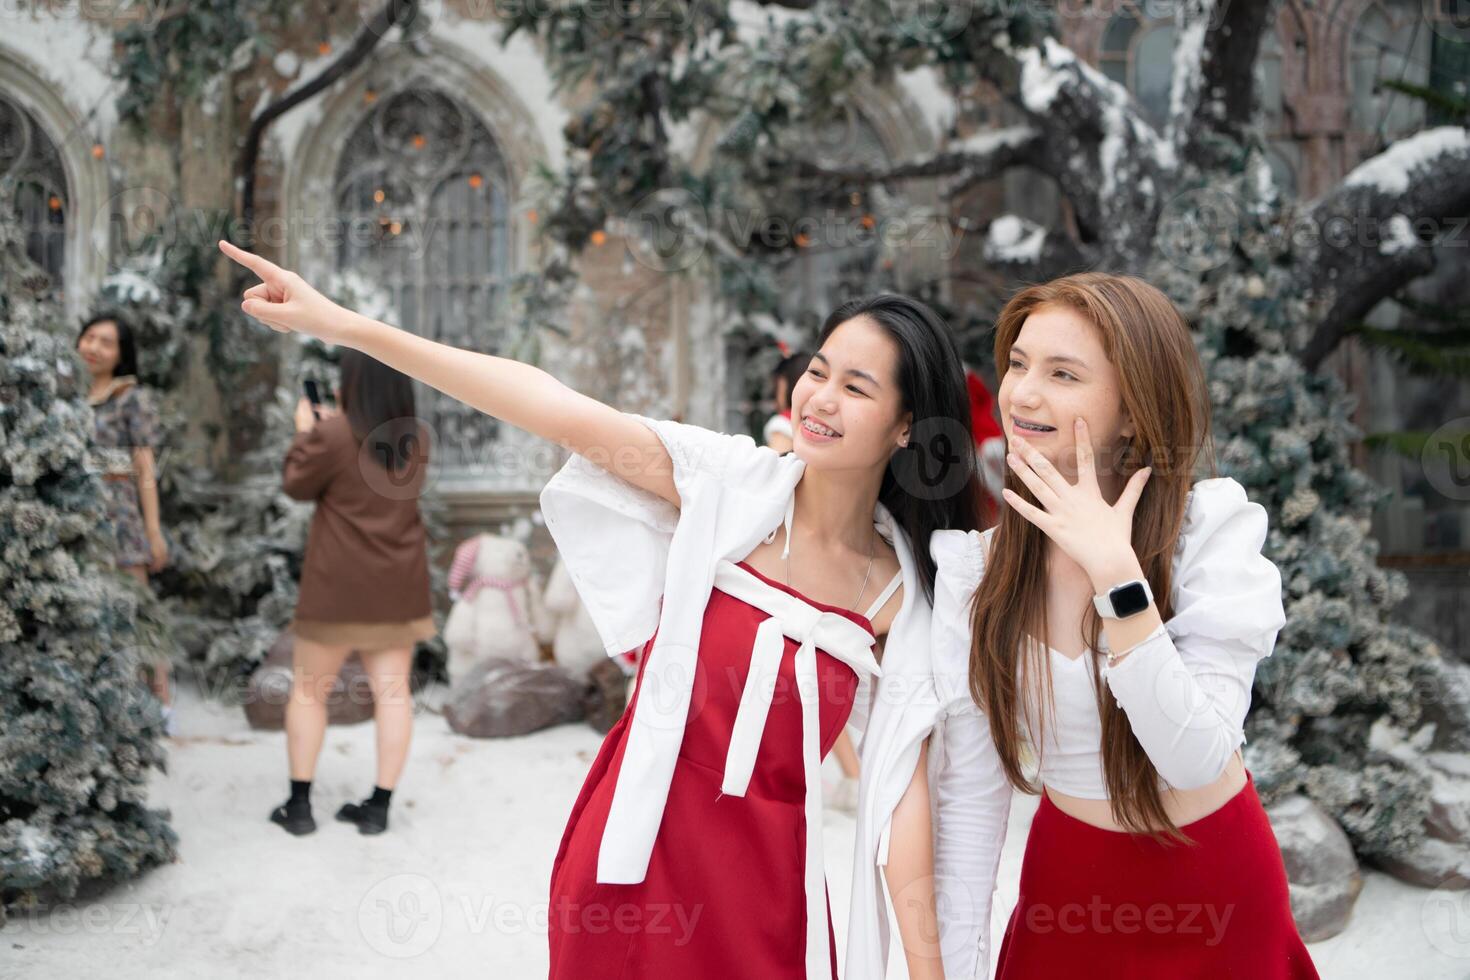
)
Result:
{"points": [[1122, 601]]}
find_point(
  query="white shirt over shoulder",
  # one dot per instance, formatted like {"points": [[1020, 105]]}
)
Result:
{"points": [[1186, 690], [640, 564]]}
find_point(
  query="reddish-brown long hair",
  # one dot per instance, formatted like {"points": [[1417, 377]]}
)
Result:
{"points": [[1163, 387]]}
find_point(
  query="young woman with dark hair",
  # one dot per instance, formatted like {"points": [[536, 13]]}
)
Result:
{"points": [[779, 435], [764, 589], [1098, 646], [365, 577], [128, 438]]}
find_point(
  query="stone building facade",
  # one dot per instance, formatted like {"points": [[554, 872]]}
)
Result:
{"points": [[440, 135]]}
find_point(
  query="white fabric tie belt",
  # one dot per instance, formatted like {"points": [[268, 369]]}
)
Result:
{"points": [[812, 628]]}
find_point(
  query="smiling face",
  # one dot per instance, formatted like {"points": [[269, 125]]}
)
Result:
{"points": [[847, 410], [100, 348], [1058, 371]]}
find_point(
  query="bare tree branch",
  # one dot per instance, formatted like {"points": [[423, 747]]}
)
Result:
{"points": [[392, 13], [978, 158], [1376, 229]]}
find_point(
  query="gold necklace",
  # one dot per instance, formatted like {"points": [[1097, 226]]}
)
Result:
{"points": [[872, 550]]}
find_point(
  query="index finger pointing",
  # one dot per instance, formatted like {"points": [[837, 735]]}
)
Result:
{"points": [[264, 268]]}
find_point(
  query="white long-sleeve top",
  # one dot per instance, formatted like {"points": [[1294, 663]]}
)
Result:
{"points": [[1186, 690], [640, 564]]}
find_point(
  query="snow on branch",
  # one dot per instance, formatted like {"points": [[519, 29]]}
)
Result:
{"points": [[1394, 170], [1213, 94], [1029, 250], [1106, 158], [1376, 230], [1189, 47], [1013, 239]]}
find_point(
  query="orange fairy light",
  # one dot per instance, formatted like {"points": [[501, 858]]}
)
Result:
{"points": [[419, 141], [324, 48], [803, 240], [868, 221], [532, 216], [476, 180], [54, 203], [97, 151], [599, 236], [378, 195]]}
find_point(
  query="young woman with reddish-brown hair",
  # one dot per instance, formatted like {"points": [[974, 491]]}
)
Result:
{"points": [[1098, 646]]}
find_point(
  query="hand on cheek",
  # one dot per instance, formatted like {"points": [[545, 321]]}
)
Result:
{"points": [[1095, 534]]}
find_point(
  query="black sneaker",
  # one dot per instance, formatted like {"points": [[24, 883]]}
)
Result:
{"points": [[369, 819], [296, 822]]}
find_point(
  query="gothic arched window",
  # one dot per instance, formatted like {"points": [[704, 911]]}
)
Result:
{"points": [[423, 194], [31, 167], [1391, 42], [1140, 57]]}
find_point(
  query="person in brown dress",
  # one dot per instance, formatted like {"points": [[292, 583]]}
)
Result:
{"points": [[365, 578], [127, 436]]}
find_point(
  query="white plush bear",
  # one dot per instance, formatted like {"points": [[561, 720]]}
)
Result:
{"points": [[497, 608], [575, 643]]}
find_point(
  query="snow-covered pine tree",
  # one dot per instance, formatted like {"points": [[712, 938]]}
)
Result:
{"points": [[79, 730]]}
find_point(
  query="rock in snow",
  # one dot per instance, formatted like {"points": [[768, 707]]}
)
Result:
{"points": [[1324, 875]]}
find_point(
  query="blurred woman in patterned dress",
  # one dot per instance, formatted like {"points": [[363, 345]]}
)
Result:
{"points": [[127, 436]]}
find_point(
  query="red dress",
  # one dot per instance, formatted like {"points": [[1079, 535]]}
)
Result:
{"points": [[1110, 904], [723, 897]]}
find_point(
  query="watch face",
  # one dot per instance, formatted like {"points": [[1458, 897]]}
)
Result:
{"points": [[1128, 600]]}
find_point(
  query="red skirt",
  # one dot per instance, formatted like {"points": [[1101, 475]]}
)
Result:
{"points": [[1103, 903]]}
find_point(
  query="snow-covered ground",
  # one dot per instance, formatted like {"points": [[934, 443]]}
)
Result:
{"points": [[457, 887]]}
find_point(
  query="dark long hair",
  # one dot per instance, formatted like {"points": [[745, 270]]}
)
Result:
{"points": [[932, 483], [127, 348], [791, 368], [379, 404]]}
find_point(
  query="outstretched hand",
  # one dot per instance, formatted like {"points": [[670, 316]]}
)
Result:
{"points": [[283, 301], [1094, 533]]}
